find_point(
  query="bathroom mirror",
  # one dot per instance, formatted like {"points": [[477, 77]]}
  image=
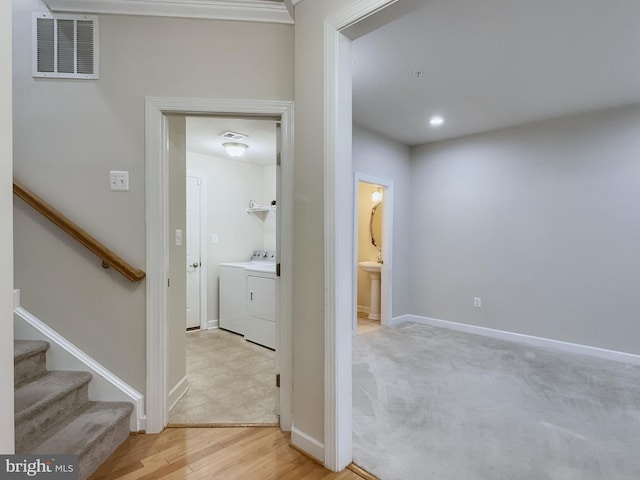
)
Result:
{"points": [[375, 226]]}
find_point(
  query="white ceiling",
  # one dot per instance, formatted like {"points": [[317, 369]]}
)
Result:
{"points": [[495, 63], [203, 136]]}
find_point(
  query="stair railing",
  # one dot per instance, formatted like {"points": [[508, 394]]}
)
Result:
{"points": [[109, 258]]}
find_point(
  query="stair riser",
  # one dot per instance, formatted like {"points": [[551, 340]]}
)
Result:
{"points": [[31, 426], [96, 455], [30, 367], [54, 415]]}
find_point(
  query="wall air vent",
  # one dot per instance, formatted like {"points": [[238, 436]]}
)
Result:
{"points": [[65, 46], [236, 137]]}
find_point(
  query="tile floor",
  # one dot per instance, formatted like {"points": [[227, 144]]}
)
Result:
{"points": [[231, 381], [365, 325]]}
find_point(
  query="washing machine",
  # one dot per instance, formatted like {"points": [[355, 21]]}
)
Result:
{"points": [[233, 290]]}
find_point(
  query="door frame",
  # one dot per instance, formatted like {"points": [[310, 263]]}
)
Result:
{"points": [[157, 256], [386, 286], [204, 323], [338, 226]]}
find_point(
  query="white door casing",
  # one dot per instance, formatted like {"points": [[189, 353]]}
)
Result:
{"points": [[338, 229], [156, 169]]}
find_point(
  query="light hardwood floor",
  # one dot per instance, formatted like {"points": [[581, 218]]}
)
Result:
{"points": [[214, 453]]}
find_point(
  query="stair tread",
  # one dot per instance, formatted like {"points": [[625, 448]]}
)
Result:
{"points": [[77, 434], [25, 348], [32, 395]]}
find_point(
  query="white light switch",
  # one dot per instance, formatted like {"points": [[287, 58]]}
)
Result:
{"points": [[178, 238], [215, 238], [119, 180]]}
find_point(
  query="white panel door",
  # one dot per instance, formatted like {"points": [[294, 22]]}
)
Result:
{"points": [[194, 261]]}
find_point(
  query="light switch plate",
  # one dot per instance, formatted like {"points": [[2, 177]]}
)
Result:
{"points": [[119, 180], [178, 238]]}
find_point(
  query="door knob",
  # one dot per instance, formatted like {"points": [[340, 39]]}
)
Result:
{"points": [[195, 265]]}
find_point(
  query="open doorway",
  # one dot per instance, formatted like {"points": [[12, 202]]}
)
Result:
{"points": [[446, 236], [230, 243], [166, 324], [370, 260], [373, 245], [340, 29]]}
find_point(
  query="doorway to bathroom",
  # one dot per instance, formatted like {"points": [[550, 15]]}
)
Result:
{"points": [[373, 251]]}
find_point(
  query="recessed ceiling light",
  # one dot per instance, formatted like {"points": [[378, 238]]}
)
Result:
{"points": [[436, 121]]}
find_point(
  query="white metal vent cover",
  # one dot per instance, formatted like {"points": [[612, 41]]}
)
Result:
{"points": [[65, 46], [235, 136]]}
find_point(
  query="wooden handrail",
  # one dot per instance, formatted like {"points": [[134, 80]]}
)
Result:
{"points": [[109, 258]]}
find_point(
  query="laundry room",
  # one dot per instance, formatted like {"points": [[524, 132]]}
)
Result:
{"points": [[240, 179], [230, 240]]}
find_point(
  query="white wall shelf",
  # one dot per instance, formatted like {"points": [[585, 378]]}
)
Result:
{"points": [[266, 208]]}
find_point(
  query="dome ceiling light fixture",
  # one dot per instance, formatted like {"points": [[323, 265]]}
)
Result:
{"points": [[235, 149]]}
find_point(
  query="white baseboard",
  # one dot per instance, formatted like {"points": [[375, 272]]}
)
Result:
{"points": [[63, 355], [307, 444], [402, 319], [559, 345], [177, 392], [364, 309], [212, 324]]}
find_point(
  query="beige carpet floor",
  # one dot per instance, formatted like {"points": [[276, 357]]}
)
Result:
{"points": [[230, 381], [435, 404]]}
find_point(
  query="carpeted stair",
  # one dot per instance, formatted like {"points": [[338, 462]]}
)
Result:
{"points": [[53, 414]]}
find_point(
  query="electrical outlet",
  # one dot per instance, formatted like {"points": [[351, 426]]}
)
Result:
{"points": [[477, 302], [119, 181]]}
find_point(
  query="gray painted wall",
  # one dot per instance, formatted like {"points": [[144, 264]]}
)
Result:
{"points": [[177, 291], [381, 157], [6, 236], [70, 133], [308, 221], [541, 221]]}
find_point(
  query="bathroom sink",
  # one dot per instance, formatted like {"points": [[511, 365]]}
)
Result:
{"points": [[374, 269], [370, 267]]}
